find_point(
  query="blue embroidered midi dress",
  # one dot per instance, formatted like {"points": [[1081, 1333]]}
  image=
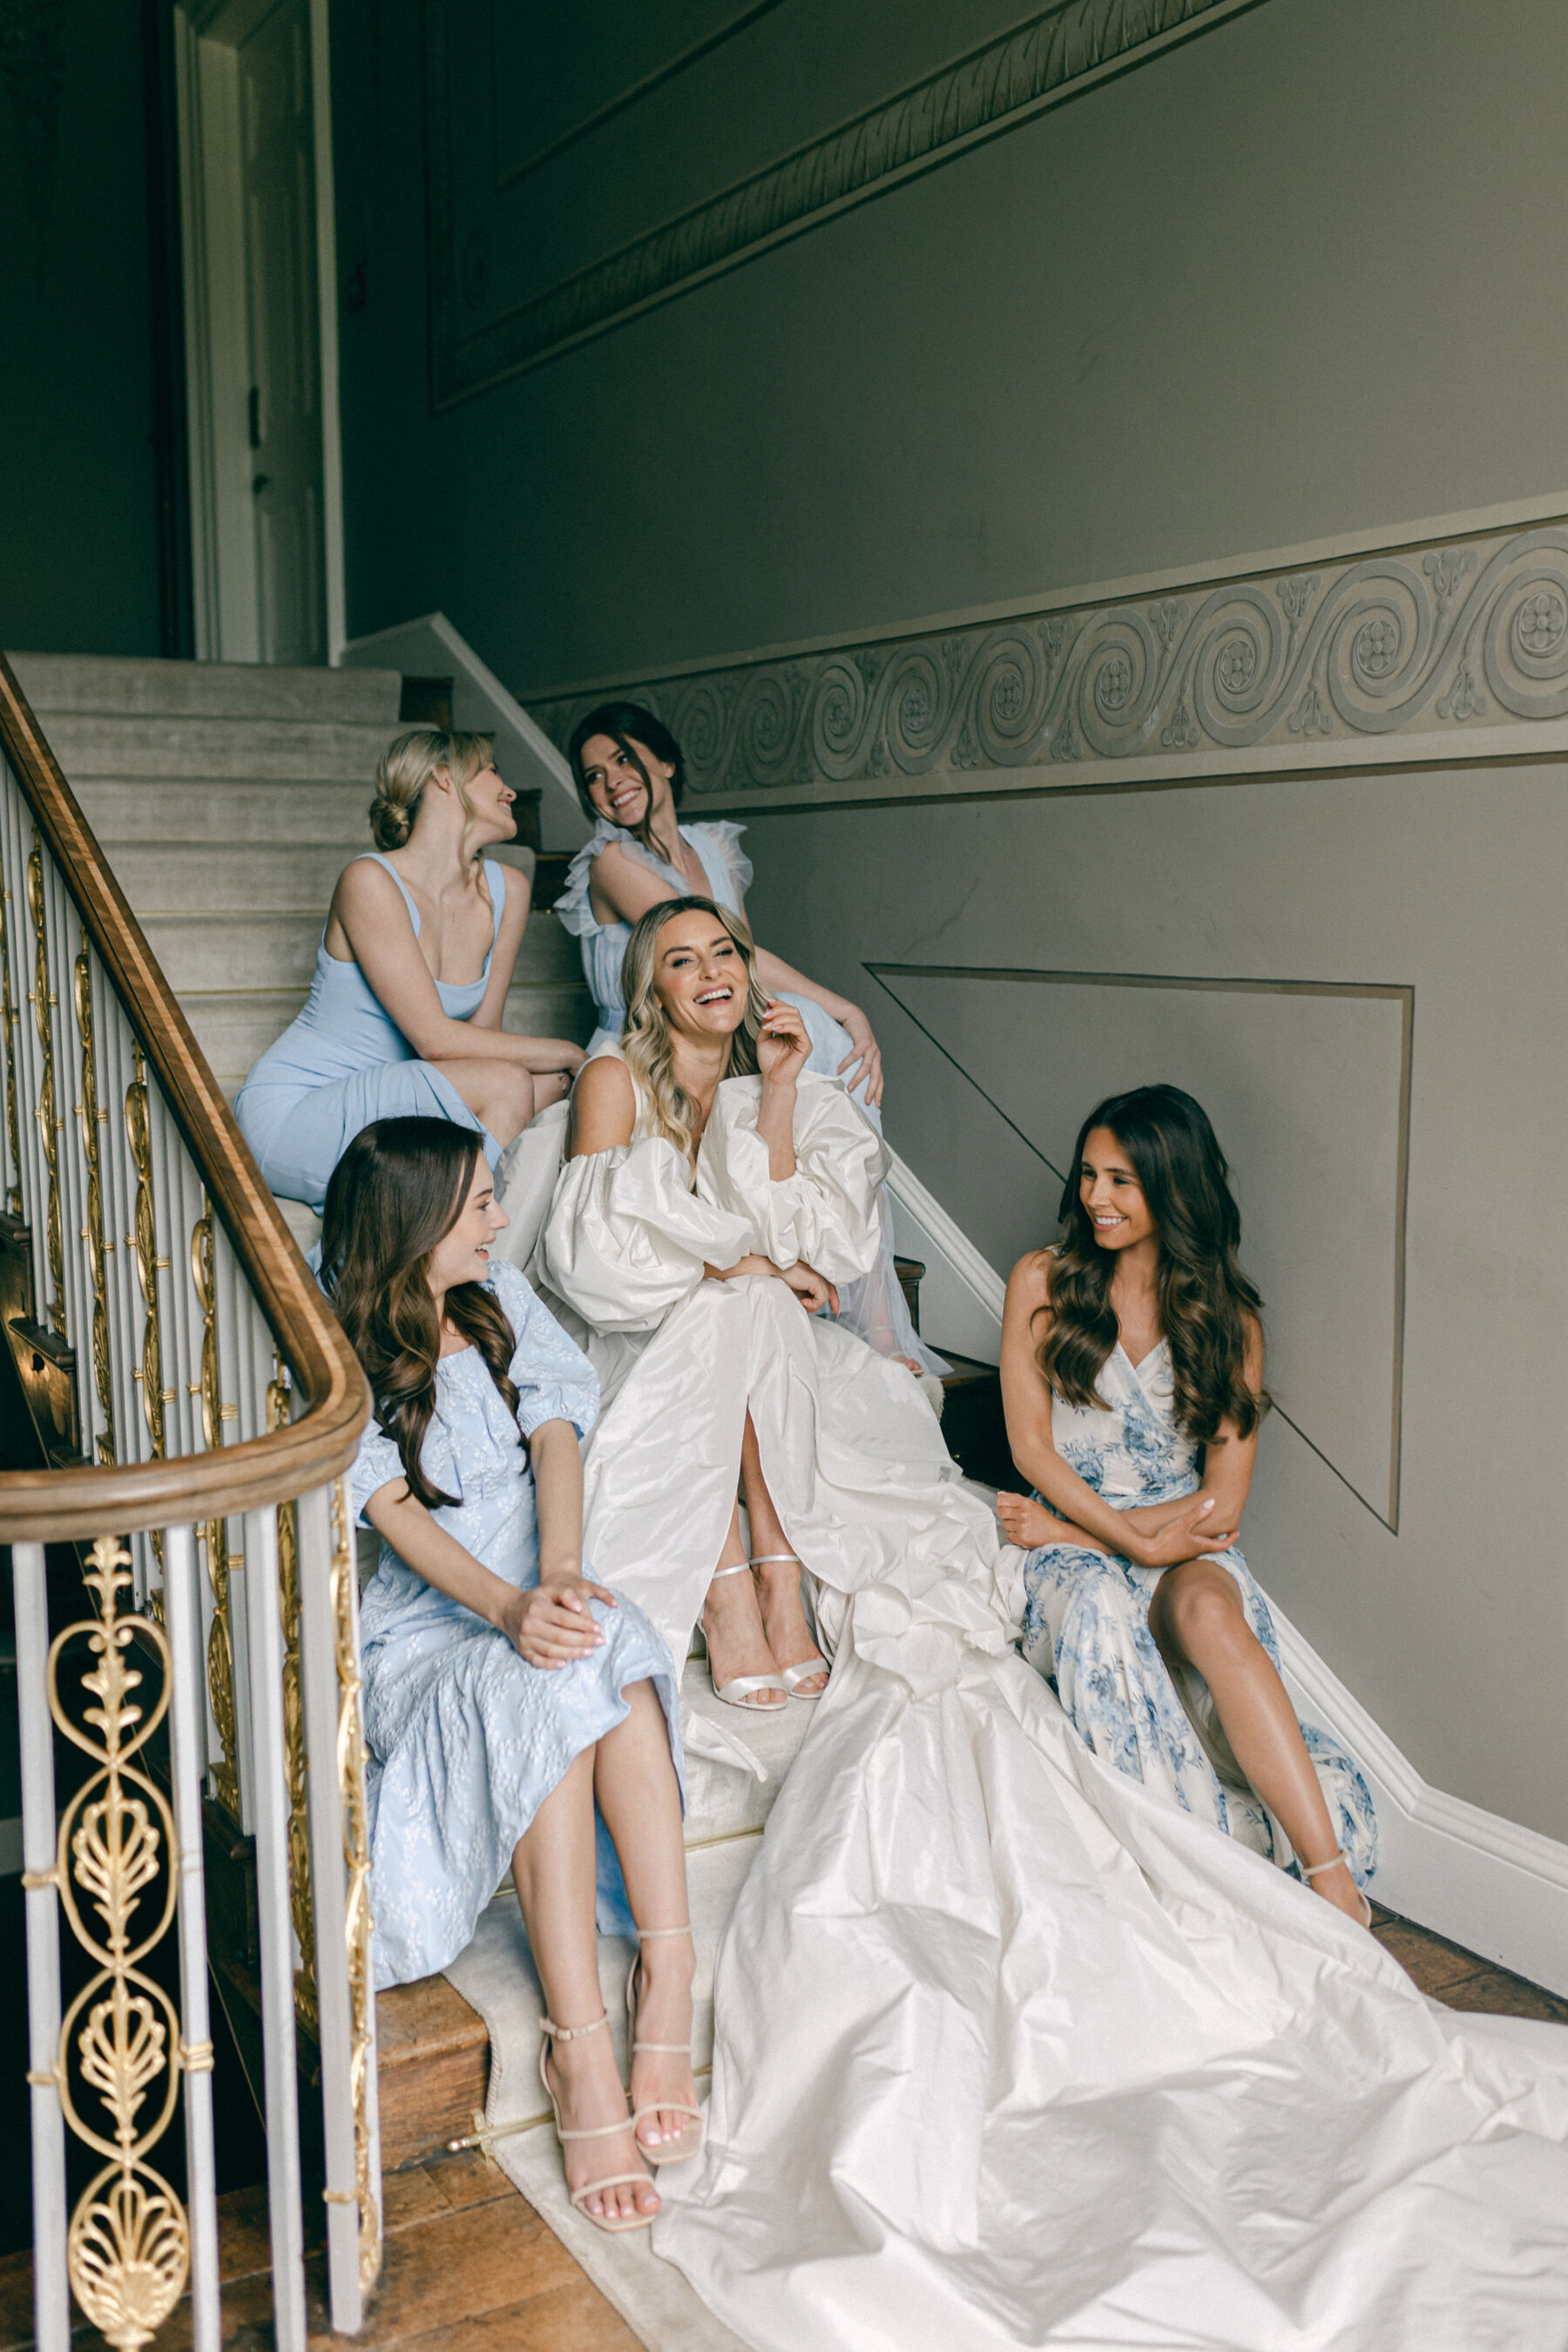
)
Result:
{"points": [[466, 1738], [343, 1063], [873, 1307], [1086, 1629]]}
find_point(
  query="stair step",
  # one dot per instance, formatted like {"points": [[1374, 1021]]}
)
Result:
{"points": [[974, 1426], [233, 1026], [84, 683], [95, 744], [211, 953]]}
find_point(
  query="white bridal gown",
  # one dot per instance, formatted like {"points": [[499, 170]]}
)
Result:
{"points": [[1009, 2052]]}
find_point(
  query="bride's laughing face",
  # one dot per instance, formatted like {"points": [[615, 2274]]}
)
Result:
{"points": [[699, 977], [617, 787]]}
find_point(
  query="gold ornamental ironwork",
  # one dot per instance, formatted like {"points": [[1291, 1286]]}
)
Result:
{"points": [[299, 1900], [358, 1924], [128, 2249], [92, 1234], [8, 1033], [214, 1534], [42, 1000], [144, 1242]]}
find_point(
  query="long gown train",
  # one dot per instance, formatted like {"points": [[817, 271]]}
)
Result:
{"points": [[1009, 2050]]}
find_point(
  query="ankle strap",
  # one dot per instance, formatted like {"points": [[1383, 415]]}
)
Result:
{"points": [[1334, 1863], [776, 1559], [571, 2032], [646, 1935], [741, 1568]]}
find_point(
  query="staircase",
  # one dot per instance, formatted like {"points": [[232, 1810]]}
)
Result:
{"points": [[228, 798]]}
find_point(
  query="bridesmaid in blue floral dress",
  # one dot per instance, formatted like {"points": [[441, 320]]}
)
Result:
{"points": [[629, 773], [1131, 1373], [516, 1711]]}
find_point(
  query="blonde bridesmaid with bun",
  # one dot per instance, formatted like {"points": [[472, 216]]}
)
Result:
{"points": [[404, 1018]]}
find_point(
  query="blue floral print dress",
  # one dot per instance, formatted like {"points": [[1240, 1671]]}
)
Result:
{"points": [[466, 1738], [1086, 1629]]}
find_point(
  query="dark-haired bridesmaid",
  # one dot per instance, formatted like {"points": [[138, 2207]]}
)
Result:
{"points": [[510, 1699], [630, 773], [1132, 1379]]}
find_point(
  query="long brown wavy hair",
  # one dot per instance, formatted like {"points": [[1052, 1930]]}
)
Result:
{"points": [[394, 1197], [648, 1042], [1204, 1297]]}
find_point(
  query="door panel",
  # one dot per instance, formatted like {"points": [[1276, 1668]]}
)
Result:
{"points": [[281, 305]]}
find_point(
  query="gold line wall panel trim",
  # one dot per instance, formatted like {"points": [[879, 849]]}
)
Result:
{"points": [[1450, 652]]}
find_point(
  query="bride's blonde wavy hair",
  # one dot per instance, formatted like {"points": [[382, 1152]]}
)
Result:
{"points": [[647, 1041]]}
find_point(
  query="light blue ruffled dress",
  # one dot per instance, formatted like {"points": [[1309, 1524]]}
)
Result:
{"points": [[1086, 1629], [467, 1740], [874, 1307], [343, 1063]]}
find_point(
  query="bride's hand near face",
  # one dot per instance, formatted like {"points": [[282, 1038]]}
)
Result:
{"points": [[783, 1047]]}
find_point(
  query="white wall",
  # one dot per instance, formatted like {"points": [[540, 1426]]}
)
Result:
{"points": [[1296, 279]]}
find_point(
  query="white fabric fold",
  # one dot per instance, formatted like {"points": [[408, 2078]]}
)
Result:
{"points": [[627, 1239], [827, 1213]]}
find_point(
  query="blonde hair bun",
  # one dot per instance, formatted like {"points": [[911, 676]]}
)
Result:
{"points": [[407, 765]]}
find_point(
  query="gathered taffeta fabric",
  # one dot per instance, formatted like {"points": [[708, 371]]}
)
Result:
{"points": [[1008, 2050]]}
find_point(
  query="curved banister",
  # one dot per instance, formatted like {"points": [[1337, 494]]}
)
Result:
{"points": [[42, 1506]]}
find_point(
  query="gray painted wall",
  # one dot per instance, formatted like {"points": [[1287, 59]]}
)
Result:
{"points": [[1294, 280], [79, 570]]}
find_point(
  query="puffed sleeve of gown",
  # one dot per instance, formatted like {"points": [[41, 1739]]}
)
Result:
{"points": [[626, 1240], [828, 1211]]}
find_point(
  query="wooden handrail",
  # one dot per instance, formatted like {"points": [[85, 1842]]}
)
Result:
{"points": [[44, 1505]]}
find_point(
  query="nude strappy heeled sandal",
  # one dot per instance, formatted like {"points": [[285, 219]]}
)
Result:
{"points": [[791, 1675], [737, 1691], [690, 2144], [1334, 1863], [611, 2223]]}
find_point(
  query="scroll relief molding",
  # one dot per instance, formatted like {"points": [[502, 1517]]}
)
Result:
{"points": [[995, 87], [1455, 651]]}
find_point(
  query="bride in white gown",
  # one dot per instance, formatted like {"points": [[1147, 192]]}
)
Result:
{"points": [[1007, 2051]]}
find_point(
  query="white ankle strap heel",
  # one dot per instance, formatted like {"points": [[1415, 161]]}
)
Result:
{"points": [[612, 2223], [1338, 1862], [792, 1675], [740, 1689]]}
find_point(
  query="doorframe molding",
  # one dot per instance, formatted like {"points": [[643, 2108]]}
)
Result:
{"points": [[223, 525]]}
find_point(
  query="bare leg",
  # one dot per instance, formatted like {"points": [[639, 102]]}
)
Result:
{"points": [[635, 1783], [553, 1868], [732, 1624], [1196, 1616], [778, 1584], [503, 1096]]}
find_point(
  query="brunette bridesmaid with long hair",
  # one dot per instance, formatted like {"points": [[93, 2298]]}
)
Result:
{"points": [[1133, 1380]]}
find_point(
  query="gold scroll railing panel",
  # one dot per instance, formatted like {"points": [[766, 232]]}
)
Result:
{"points": [[129, 2244]]}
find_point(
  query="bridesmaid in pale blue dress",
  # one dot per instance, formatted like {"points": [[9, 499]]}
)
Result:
{"points": [[629, 773], [404, 1018], [512, 1705], [1132, 1379]]}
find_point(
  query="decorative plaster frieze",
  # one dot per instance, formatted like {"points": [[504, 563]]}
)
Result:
{"points": [[1455, 651], [994, 88]]}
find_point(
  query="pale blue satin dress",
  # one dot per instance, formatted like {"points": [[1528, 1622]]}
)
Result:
{"points": [[874, 1307], [1086, 1629], [343, 1063], [467, 1740]]}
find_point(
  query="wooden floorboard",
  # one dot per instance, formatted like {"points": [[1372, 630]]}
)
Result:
{"points": [[470, 2267]]}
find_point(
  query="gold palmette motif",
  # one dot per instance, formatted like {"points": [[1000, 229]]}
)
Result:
{"points": [[8, 1030], [128, 2249], [97, 1249], [49, 1123], [143, 1239], [215, 1536], [358, 1925], [300, 1905]]}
